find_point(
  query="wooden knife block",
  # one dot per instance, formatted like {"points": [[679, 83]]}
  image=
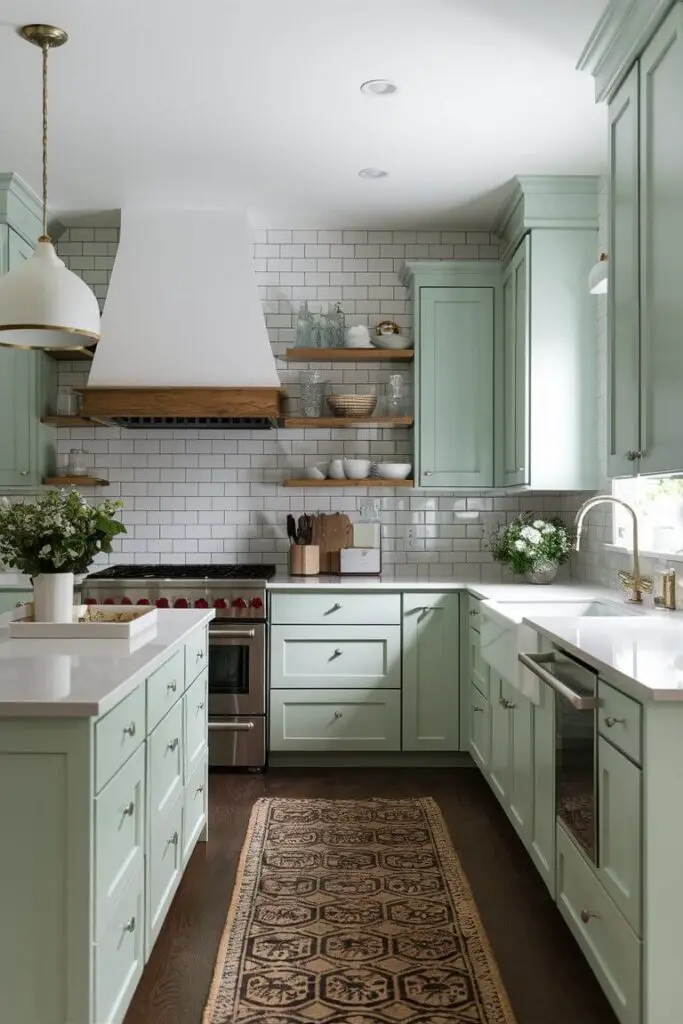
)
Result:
{"points": [[304, 560]]}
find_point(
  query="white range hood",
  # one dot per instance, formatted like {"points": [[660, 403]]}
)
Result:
{"points": [[183, 335]]}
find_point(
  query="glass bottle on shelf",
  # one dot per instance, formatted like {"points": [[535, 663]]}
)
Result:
{"points": [[396, 394], [304, 328], [77, 465]]}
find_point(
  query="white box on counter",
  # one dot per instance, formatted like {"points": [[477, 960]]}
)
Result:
{"points": [[356, 561]]}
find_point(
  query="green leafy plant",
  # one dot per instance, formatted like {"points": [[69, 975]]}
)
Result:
{"points": [[59, 532], [529, 541]]}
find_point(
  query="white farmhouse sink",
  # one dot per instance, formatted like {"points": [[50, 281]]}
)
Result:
{"points": [[503, 635]]}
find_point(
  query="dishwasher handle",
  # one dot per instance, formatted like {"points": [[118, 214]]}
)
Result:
{"points": [[535, 662]]}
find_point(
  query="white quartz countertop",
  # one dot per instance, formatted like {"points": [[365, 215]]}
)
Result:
{"points": [[641, 654], [487, 591], [14, 581], [84, 678]]}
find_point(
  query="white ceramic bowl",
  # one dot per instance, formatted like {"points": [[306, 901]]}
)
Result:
{"points": [[390, 341], [393, 470], [335, 469], [357, 469], [315, 473]]}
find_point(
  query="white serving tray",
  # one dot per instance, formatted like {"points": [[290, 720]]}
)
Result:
{"points": [[91, 622]]}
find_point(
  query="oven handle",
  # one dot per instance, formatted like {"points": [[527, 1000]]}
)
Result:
{"points": [[231, 726], [535, 662], [232, 634]]}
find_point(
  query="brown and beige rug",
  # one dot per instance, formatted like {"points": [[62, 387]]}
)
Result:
{"points": [[353, 912]]}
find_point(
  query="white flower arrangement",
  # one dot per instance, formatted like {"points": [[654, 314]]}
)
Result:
{"points": [[529, 541]]}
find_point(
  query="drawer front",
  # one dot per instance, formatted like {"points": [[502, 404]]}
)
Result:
{"points": [[361, 657], [195, 708], [164, 867], [119, 954], [358, 720], [166, 759], [164, 687], [480, 728], [196, 805], [196, 655], [612, 949], [118, 735], [336, 609], [620, 830], [119, 835], [473, 613], [478, 668], [619, 720]]}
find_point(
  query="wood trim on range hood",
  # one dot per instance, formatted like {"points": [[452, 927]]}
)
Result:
{"points": [[247, 403]]}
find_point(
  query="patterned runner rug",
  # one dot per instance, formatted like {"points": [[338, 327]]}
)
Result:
{"points": [[353, 912]]}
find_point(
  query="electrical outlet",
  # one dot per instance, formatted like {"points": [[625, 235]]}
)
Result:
{"points": [[410, 539]]}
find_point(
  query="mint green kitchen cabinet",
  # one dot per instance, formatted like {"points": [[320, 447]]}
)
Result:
{"points": [[521, 799], [501, 741], [457, 309], [623, 297], [619, 830], [516, 368], [542, 839], [329, 721], [479, 728], [431, 671], [10, 599]]}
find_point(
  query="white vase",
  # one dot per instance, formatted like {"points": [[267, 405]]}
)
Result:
{"points": [[53, 597]]}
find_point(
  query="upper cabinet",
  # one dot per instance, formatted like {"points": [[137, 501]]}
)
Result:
{"points": [[26, 447], [515, 444], [456, 306]]}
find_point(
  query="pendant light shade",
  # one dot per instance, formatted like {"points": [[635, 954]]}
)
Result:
{"points": [[42, 303], [597, 279]]}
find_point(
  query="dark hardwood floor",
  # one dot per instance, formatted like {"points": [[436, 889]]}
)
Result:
{"points": [[547, 979]]}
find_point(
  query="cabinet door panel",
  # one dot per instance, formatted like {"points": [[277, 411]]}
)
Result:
{"points": [[619, 802], [661, 221], [521, 762], [455, 422], [623, 322], [480, 728], [499, 763], [543, 817], [431, 669], [516, 369]]}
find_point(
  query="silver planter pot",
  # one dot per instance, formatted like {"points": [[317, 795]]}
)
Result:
{"points": [[543, 572]]}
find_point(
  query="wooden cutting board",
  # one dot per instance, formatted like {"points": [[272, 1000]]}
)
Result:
{"points": [[331, 533]]}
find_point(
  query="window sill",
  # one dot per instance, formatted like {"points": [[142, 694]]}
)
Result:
{"points": [[645, 553]]}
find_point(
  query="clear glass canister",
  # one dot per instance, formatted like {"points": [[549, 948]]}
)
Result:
{"points": [[76, 465], [313, 386], [396, 394]]}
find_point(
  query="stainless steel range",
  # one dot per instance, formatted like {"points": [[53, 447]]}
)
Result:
{"points": [[237, 641]]}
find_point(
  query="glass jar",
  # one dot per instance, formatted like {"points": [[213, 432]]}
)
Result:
{"points": [[396, 394], [68, 402], [313, 386], [77, 464]]}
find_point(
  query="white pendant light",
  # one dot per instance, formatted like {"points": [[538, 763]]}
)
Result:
{"points": [[597, 279], [42, 303]]}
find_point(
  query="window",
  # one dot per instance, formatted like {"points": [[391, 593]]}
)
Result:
{"points": [[658, 503]]}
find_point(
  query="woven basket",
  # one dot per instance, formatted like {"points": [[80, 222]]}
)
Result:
{"points": [[352, 405]]}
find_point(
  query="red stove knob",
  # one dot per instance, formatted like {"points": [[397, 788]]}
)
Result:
{"points": [[162, 602], [256, 602], [180, 602], [92, 600], [143, 600], [220, 602], [239, 602], [201, 603], [109, 600], [126, 600]]}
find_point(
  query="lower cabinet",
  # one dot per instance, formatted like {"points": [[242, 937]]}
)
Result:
{"points": [[10, 599], [480, 728], [511, 758], [542, 845], [620, 830], [349, 720], [431, 672], [164, 866], [501, 740], [120, 953]]}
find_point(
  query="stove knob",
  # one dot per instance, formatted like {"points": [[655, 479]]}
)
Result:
{"points": [[201, 603], [220, 602], [256, 602], [91, 600], [110, 600], [143, 600], [239, 602], [180, 602], [126, 600], [162, 602]]}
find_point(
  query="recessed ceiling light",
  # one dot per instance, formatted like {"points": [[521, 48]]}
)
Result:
{"points": [[378, 87], [372, 172]]}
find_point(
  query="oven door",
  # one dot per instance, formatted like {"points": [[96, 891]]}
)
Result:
{"points": [[237, 668]]}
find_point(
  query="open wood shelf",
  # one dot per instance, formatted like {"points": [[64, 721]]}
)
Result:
{"points": [[76, 355], [71, 421], [367, 482], [348, 421], [349, 355], [75, 481]]}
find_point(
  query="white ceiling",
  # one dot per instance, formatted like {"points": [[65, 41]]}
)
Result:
{"points": [[257, 103]]}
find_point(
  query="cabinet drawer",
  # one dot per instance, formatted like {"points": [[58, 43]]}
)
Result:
{"points": [[473, 613], [478, 668], [196, 805], [164, 687], [165, 762], [119, 835], [164, 867], [195, 707], [119, 955], [480, 727], [362, 657], [118, 735], [619, 720], [336, 609], [612, 949], [338, 720], [196, 657]]}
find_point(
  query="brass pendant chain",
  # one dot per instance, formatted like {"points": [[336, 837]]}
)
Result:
{"points": [[45, 237]]}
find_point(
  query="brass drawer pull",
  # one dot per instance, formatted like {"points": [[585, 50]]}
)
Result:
{"points": [[586, 915], [129, 730], [611, 721], [477, 708], [336, 607], [129, 810], [129, 926]]}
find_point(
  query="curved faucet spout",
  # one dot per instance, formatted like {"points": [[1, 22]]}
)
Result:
{"points": [[634, 581]]}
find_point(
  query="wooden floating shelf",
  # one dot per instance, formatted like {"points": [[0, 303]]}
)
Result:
{"points": [[348, 421], [349, 355], [78, 355], [71, 421], [75, 481], [367, 482]]}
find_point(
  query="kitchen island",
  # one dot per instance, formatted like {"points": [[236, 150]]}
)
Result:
{"points": [[103, 797]]}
